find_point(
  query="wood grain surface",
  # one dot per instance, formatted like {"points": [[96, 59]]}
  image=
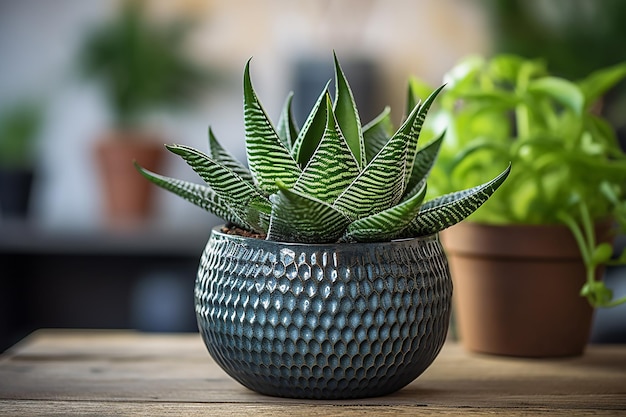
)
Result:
{"points": [[113, 373]]}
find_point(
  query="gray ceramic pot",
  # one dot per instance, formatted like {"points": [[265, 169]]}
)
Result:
{"points": [[323, 321]]}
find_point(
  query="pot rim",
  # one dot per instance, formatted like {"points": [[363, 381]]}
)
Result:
{"points": [[519, 241], [217, 231]]}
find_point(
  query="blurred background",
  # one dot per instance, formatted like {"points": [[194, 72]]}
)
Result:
{"points": [[76, 75]]}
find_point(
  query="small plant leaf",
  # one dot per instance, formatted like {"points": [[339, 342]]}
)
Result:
{"points": [[442, 212], [565, 92], [200, 195], [604, 131], [300, 218], [490, 100], [377, 133], [268, 158], [312, 131], [347, 115], [597, 293], [602, 253], [599, 82], [512, 68], [229, 187], [462, 74], [286, 128], [387, 224], [332, 167], [223, 157]]}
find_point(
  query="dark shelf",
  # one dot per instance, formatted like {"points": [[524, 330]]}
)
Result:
{"points": [[141, 278], [25, 238]]}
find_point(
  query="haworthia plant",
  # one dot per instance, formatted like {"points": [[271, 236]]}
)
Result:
{"points": [[332, 180]]}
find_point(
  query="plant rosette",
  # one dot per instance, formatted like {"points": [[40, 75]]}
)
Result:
{"points": [[142, 64], [570, 168], [340, 287]]}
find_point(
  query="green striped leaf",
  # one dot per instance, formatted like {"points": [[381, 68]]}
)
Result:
{"points": [[377, 133], [415, 129], [300, 218], [312, 131], [380, 184], [424, 160], [258, 213], [383, 181], [387, 224], [200, 195], [268, 158], [223, 157], [286, 128], [230, 187], [348, 115], [332, 167], [445, 211]]}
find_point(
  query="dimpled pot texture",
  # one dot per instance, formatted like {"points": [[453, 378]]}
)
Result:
{"points": [[322, 321]]}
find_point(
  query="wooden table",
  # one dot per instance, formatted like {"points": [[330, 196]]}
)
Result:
{"points": [[79, 372]]}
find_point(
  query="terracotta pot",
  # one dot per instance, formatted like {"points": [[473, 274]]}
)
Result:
{"points": [[128, 197], [517, 289]]}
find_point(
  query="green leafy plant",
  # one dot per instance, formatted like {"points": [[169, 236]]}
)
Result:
{"points": [[570, 168], [142, 64], [333, 180]]}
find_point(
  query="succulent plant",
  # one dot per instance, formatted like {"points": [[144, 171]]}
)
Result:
{"points": [[332, 180]]}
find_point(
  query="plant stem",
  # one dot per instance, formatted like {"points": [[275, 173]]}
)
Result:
{"points": [[615, 303], [576, 230], [586, 249], [522, 121], [587, 224], [596, 292]]}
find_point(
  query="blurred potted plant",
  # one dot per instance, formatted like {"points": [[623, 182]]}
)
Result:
{"points": [[142, 66], [522, 261], [20, 125]]}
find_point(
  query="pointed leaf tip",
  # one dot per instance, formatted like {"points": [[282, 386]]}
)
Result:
{"points": [[268, 156], [286, 127], [347, 115], [312, 130], [248, 90], [445, 211], [175, 148]]}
